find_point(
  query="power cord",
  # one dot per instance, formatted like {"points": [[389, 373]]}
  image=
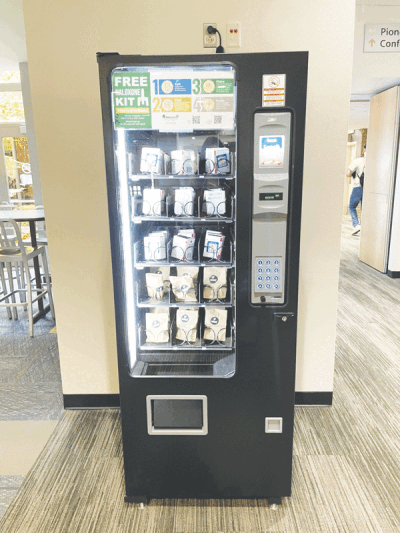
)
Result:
{"points": [[220, 49]]}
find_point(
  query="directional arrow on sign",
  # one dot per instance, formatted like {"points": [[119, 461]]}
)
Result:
{"points": [[372, 42]]}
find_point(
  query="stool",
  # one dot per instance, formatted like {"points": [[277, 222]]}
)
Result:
{"points": [[13, 253]]}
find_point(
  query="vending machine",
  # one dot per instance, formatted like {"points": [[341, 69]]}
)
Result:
{"points": [[204, 163]]}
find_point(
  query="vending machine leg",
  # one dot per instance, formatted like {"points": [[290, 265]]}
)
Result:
{"points": [[274, 503]]}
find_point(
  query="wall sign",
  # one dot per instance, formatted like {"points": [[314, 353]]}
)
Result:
{"points": [[382, 38]]}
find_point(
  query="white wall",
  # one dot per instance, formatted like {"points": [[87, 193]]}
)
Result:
{"points": [[62, 39]]}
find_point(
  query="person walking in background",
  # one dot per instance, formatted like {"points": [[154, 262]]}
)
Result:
{"points": [[356, 172]]}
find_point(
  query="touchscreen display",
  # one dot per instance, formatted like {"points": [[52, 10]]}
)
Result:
{"points": [[272, 151]]}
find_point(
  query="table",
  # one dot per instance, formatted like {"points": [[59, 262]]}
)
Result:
{"points": [[31, 216]]}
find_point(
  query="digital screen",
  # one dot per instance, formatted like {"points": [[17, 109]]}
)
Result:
{"points": [[270, 196], [272, 151]]}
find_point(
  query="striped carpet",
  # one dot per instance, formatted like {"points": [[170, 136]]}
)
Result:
{"points": [[346, 476]]}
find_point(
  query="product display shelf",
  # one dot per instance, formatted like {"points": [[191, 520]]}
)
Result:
{"points": [[181, 177], [184, 357], [200, 344], [203, 211], [141, 261], [194, 297]]}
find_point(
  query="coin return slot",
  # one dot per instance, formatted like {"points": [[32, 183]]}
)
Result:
{"points": [[273, 425]]}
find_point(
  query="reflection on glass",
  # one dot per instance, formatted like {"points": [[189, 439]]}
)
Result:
{"points": [[19, 176]]}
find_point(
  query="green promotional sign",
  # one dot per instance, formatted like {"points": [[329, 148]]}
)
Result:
{"points": [[132, 100]]}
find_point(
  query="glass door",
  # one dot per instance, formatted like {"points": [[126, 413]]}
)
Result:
{"points": [[175, 158]]}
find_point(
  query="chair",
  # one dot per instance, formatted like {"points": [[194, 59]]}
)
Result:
{"points": [[14, 253], [6, 206], [41, 236]]}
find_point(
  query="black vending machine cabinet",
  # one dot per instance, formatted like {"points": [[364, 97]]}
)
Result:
{"points": [[204, 163]]}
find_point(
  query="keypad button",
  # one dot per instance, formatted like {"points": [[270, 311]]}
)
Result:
{"points": [[259, 270], [268, 270], [260, 286], [259, 278], [277, 262], [259, 262], [276, 278], [268, 286], [277, 270], [268, 262], [267, 278], [276, 286]]}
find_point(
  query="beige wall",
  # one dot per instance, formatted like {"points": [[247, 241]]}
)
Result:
{"points": [[62, 39]]}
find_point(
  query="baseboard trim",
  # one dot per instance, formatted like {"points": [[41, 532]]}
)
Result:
{"points": [[313, 398], [91, 401], [394, 274]]}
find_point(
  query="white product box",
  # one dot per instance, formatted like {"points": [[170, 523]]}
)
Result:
{"points": [[153, 160], [153, 202], [183, 162], [184, 201], [155, 246], [213, 244], [217, 161], [215, 201], [183, 245]]}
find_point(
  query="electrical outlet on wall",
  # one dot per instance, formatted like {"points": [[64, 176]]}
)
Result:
{"points": [[233, 34], [210, 40]]}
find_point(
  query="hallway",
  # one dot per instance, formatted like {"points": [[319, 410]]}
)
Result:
{"points": [[346, 467]]}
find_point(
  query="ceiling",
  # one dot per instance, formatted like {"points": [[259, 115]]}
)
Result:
{"points": [[13, 51]]}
